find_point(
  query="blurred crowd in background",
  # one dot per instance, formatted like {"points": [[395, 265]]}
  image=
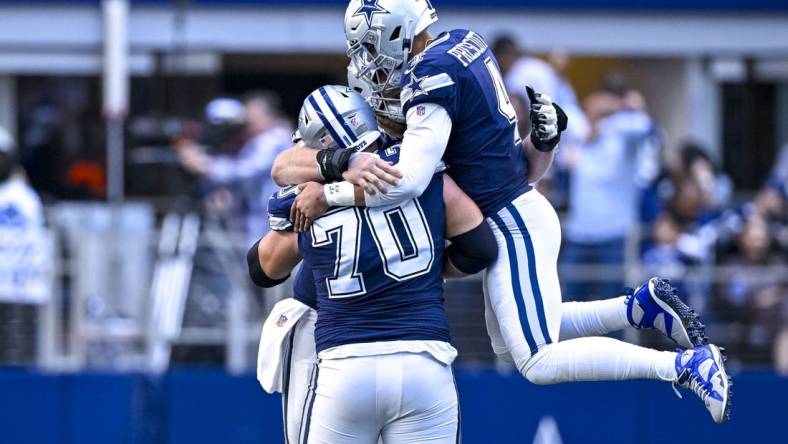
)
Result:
{"points": [[631, 206], [680, 215]]}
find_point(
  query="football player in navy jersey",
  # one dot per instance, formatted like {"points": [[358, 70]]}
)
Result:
{"points": [[456, 109], [381, 332]]}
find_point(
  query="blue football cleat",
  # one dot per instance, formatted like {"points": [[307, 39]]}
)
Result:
{"points": [[655, 305], [702, 370]]}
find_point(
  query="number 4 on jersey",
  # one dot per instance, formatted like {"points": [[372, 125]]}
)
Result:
{"points": [[505, 106]]}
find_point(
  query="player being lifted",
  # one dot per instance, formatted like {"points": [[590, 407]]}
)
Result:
{"points": [[457, 110], [375, 278]]}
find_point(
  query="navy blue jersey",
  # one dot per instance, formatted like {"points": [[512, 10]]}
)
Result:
{"points": [[280, 202], [484, 155], [377, 272], [304, 287]]}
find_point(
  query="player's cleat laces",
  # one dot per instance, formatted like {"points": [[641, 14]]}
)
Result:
{"points": [[702, 370], [656, 305]]}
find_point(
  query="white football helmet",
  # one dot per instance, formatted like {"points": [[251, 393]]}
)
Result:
{"points": [[385, 103], [336, 117], [380, 35]]}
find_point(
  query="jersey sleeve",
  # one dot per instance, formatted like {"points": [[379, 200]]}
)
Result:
{"points": [[279, 208], [430, 81]]}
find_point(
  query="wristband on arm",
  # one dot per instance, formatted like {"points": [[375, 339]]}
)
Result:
{"points": [[333, 162], [340, 194]]}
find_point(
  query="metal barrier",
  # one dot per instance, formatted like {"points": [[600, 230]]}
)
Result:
{"points": [[198, 305]]}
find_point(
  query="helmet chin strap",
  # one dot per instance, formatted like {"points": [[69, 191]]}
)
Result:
{"points": [[407, 43], [366, 142]]}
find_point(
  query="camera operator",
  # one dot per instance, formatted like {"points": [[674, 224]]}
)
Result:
{"points": [[249, 136]]}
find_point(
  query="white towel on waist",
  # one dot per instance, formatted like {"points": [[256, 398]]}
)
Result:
{"points": [[271, 354]]}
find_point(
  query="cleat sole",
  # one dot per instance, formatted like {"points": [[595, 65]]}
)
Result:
{"points": [[726, 413], [667, 298]]}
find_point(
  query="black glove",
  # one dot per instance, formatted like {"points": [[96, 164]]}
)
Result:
{"points": [[333, 162], [548, 121]]}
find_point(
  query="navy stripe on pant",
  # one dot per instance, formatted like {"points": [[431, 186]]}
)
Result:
{"points": [[516, 287], [313, 392], [286, 385], [529, 249]]}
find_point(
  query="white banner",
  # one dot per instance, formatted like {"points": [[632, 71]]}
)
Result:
{"points": [[25, 265]]}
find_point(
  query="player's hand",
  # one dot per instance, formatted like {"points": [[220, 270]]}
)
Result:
{"points": [[309, 204], [371, 173], [548, 120]]}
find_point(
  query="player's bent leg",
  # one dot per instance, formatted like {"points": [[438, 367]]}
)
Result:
{"points": [[492, 323], [593, 318], [653, 305], [598, 359], [522, 286], [299, 364], [427, 409], [341, 404]]}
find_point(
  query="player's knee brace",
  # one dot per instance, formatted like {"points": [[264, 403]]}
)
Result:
{"points": [[474, 250], [256, 272]]}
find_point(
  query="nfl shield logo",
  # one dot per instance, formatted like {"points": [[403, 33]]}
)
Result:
{"points": [[281, 321], [420, 110]]}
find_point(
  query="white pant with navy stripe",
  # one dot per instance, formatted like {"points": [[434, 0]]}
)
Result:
{"points": [[299, 363], [523, 308], [522, 292], [400, 397]]}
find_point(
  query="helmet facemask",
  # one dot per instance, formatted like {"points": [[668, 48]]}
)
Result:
{"points": [[380, 36], [383, 98]]}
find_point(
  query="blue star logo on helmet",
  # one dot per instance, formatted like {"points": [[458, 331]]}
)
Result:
{"points": [[368, 8]]}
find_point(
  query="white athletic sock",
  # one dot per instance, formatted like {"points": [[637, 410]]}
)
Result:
{"points": [[595, 318], [598, 359]]}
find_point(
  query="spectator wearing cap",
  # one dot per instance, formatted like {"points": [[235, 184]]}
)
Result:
{"points": [[248, 172]]}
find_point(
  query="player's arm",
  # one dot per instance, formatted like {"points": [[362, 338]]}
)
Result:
{"points": [[548, 121], [301, 164], [473, 246], [538, 161], [295, 165], [272, 258], [422, 148]]}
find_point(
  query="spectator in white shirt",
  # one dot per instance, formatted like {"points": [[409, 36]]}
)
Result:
{"points": [[607, 174]]}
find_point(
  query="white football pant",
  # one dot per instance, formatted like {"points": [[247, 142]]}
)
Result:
{"points": [[401, 397], [298, 365], [524, 312]]}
